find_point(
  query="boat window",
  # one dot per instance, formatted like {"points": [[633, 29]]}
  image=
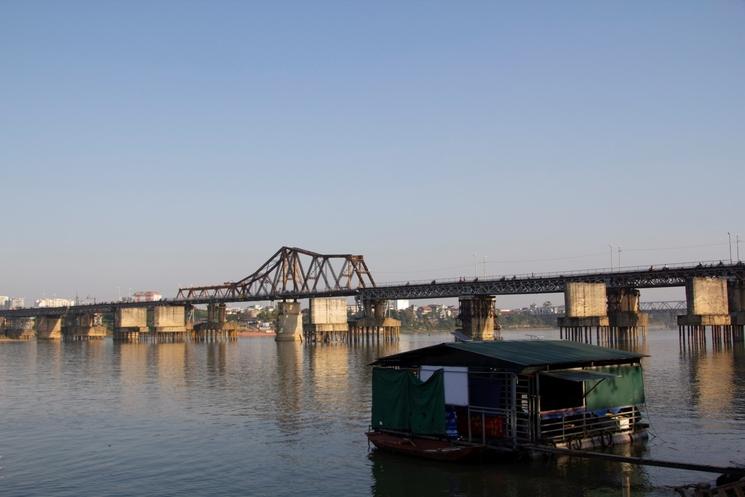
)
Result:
{"points": [[557, 393], [489, 391]]}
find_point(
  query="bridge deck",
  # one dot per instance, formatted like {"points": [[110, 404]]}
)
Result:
{"points": [[653, 277]]}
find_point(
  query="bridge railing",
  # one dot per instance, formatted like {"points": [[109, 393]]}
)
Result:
{"points": [[556, 274]]}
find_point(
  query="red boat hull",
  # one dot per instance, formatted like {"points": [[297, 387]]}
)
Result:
{"points": [[440, 450]]}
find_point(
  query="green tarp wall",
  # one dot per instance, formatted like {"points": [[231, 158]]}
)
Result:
{"points": [[400, 401], [624, 390]]}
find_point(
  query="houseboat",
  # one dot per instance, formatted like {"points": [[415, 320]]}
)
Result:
{"points": [[446, 400]]}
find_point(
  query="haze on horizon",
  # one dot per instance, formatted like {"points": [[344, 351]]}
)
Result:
{"points": [[151, 146]]}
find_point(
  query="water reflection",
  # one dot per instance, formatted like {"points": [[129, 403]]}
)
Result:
{"points": [[716, 380], [130, 367], [712, 377], [289, 386], [401, 476], [260, 418], [216, 357]]}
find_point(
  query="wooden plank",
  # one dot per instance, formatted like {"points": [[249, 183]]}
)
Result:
{"points": [[638, 460]]}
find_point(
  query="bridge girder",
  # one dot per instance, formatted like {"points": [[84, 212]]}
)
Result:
{"points": [[293, 273], [650, 278]]}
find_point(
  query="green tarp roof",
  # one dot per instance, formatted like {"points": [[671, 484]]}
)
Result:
{"points": [[514, 355], [579, 375]]}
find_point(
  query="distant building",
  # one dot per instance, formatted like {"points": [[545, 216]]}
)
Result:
{"points": [[54, 302], [399, 305], [10, 302], [424, 310], [148, 296]]}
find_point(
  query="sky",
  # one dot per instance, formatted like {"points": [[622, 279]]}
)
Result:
{"points": [[152, 145]]}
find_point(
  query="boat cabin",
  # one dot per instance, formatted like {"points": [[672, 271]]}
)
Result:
{"points": [[512, 393]]}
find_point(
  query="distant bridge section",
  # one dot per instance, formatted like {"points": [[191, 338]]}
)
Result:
{"points": [[99, 308], [674, 275], [663, 306]]}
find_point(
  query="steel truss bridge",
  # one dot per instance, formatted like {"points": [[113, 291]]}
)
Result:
{"points": [[294, 273], [663, 306], [673, 275], [290, 272]]}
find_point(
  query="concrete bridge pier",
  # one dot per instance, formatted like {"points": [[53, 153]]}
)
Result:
{"points": [[327, 321], [190, 317], [289, 325], [586, 307], [707, 307], [626, 321], [130, 323], [373, 325], [19, 328], [49, 327], [83, 326], [216, 327], [216, 315], [736, 297], [478, 317], [169, 323]]}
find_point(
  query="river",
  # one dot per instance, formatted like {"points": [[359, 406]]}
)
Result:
{"points": [[254, 417]]}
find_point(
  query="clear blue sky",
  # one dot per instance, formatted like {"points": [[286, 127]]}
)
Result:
{"points": [[146, 145]]}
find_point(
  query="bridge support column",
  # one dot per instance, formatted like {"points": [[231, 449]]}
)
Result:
{"points": [[586, 307], [626, 321], [289, 322], [708, 307], [373, 325], [478, 317], [216, 327], [216, 314], [130, 322], [327, 320], [169, 322], [49, 327], [84, 326], [736, 297], [189, 317], [19, 328]]}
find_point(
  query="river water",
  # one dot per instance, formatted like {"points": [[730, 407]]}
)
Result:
{"points": [[258, 418]]}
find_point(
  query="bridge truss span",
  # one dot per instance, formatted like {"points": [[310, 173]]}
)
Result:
{"points": [[290, 273]]}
